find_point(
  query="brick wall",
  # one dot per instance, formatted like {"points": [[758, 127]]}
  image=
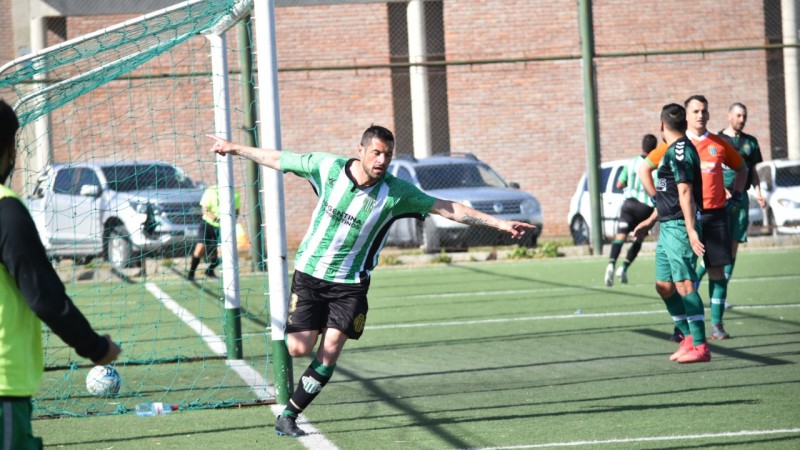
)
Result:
{"points": [[525, 118], [8, 50]]}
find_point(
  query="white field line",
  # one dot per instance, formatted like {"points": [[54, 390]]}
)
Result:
{"points": [[731, 434], [313, 440], [562, 316], [553, 289]]}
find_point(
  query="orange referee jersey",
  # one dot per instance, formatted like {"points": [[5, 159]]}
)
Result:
{"points": [[714, 152]]}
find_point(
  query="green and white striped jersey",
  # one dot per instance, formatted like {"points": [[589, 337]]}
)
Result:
{"points": [[633, 184], [349, 225]]}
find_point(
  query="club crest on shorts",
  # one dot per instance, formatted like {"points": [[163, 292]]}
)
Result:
{"points": [[358, 323]]}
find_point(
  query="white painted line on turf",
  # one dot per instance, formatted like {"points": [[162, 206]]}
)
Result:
{"points": [[562, 316], [214, 342], [313, 440], [555, 289], [651, 439]]}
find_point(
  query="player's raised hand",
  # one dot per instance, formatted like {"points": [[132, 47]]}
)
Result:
{"points": [[222, 146]]}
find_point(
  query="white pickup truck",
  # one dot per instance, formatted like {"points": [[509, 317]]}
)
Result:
{"points": [[122, 211]]}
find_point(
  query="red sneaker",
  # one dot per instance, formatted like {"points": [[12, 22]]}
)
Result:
{"points": [[701, 353], [685, 347]]}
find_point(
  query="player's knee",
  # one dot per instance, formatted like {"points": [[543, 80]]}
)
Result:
{"points": [[299, 348], [664, 289]]}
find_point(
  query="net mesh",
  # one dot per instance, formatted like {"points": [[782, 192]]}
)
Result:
{"points": [[124, 111]]}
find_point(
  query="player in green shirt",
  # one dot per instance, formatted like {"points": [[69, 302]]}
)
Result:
{"points": [[678, 192], [637, 207], [358, 202]]}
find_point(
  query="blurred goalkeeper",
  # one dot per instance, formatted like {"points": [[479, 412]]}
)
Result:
{"points": [[30, 292], [358, 201]]}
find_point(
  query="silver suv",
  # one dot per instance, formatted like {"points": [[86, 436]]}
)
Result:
{"points": [[465, 179], [119, 210]]}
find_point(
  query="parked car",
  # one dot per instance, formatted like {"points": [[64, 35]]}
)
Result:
{"points": [[117, 210], [780, 185], [579, 216], [465, 179]]}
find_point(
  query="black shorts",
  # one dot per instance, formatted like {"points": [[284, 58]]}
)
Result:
{"points": [[317, 304], [210, 237], [632, 213], [716, 237]]}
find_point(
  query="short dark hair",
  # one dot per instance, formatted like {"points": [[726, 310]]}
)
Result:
{"points": [[673, 116], [9, 124], [649, 142], [698, 97], [379, 132], [738, 105]]}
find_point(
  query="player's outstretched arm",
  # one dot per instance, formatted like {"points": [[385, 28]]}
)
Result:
{"points": [[264, 156], [468, 216]]}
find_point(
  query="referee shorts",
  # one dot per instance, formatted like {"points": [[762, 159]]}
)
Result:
{"points": [[632, 213], [318, 304], [15, 425], [716, 237]]}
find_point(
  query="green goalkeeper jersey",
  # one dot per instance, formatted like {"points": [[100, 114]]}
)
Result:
{"points": [[349, 224]]}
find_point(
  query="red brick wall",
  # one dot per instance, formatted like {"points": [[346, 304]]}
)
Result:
{"points": [[525, 118], [8, 49]]}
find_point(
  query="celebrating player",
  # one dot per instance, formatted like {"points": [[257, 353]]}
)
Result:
{"points": [[358, 201]]}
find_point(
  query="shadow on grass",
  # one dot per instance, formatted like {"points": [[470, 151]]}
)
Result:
{"points": [[732, 353]]}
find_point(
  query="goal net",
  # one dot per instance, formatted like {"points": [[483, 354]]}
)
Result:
{"points": [[113, 127]]}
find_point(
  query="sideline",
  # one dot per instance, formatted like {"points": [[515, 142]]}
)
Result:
{"points": [[652, 439], [313, 440]]}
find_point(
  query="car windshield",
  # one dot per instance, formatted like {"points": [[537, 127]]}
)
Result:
{"points": [[451, 176], [787, 176], [605, 172], [138, 177]]}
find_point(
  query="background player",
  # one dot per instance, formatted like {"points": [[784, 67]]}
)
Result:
{"points": [[715, 153], [637, 207], [677, 196], [748, 148], [30, 293]]}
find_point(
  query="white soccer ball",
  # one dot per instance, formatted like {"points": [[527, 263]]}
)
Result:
{"points": [[103, 381]]}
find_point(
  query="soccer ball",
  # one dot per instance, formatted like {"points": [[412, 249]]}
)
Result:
{"points": [[103, 381]]}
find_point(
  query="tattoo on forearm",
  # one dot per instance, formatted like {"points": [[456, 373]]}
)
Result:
{"points": [[470, 220]]}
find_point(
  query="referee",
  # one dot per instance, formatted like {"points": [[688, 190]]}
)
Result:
{"points": [[637, 207]]}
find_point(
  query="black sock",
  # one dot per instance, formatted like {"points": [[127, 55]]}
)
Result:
{"points": [[311, 383], [633, 252], [214, 264], [194, 264], [616, 247]]}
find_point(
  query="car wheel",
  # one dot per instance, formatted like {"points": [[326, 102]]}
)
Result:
{"points": [[580, 231], [119, 249], [431, 242]]}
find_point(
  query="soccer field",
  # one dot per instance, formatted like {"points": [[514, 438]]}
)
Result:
{"points": [[508, 354]]}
